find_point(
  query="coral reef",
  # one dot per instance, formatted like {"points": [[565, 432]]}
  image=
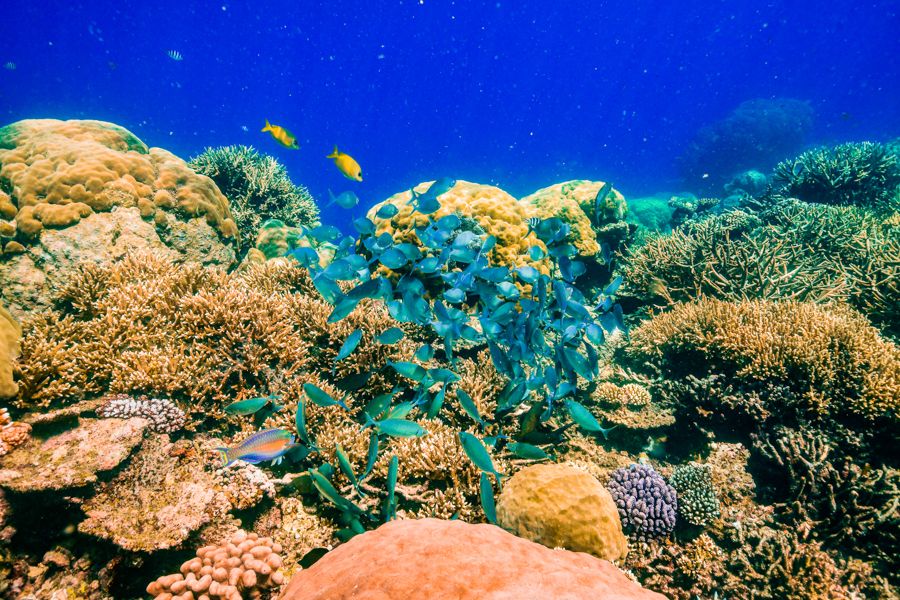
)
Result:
{"points": [[687, 206], [163, 415], [91, 191], [12, 434], [258, 188], [698, 503], [247, 566], [629, 406], [10, 336], [482, 209], [244, 485], [863, 173], [573, 202], [431, 559], [755, 135], [157, 501], [297, 527], [73, 458], [647, 504], [562, 506]]}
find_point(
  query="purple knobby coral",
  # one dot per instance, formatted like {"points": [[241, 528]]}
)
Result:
{"points": [[647, 504]]}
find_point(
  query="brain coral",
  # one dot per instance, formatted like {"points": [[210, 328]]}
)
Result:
{"points": [[55, 173], [482, 209], [10, 334], [573, 202], [562, 506]]}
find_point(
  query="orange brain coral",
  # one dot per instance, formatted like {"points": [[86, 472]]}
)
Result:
{"points": [[54, 173], [487, 209]]}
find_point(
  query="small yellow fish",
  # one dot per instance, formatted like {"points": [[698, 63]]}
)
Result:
{"points": [[282, 135], [345, 163]]}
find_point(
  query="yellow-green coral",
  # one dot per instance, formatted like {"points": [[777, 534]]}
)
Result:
{"points": [[573, 202]]}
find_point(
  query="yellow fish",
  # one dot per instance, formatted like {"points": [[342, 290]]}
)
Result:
{"points": [[282, 135], [345, 163]]}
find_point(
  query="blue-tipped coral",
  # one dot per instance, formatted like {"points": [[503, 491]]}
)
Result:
{"points": [[647, 504], [697, 500]]}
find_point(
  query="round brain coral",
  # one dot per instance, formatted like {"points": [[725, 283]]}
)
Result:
{"points": [[481, 208], [55, 173], [562, 506], [573, 202], [647, 504]]}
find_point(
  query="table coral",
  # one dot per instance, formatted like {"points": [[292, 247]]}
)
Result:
{"points": [[562, 506], [573, 202], [247, 566], [482, 209], [10, 336]]}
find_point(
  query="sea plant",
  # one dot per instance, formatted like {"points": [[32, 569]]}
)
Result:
{"points": [[258, 188]]}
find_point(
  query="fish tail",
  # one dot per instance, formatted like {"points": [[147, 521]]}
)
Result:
{"points": [[333, 154], [223, 452], [268, 127]]}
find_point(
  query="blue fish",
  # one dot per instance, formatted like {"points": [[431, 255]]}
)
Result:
{"points": [[270, 444]]}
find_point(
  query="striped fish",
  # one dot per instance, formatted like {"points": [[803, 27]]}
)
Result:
{"points": [[270, 444]]}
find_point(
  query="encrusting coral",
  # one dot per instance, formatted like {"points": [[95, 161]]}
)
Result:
{"points": [[258, 188], [562, 506], [247, 566], [58, 172]]}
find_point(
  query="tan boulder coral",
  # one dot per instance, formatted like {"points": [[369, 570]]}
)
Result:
{"points": [[562, 506], [482, 209], [73, 458], [163, 496], [91, 191], [10, 337], [247, 566], [433, 559], [574, 203]]}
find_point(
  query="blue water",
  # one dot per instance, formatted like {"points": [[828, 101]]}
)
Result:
{"points": [[517, 94]]}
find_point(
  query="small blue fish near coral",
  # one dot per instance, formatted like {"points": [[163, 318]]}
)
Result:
{"points": [[270, 444]]}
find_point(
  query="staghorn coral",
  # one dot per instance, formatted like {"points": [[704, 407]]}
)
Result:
{"points": [[698, 503], [647, 504], [258, 188], [58, 172], [562, 506], [863, 173], [10, 336], [482, 209], [247, 566], [573, 202], [163, 415], [828, 358]]}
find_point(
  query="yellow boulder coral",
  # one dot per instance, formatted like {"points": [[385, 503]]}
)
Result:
{"points": [[59, 172], [10, 335], [573, 202], [482, 209], [562, 506]]}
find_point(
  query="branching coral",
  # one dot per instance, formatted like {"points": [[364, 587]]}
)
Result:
{"points": [[698, 503], [258, 188], [865, 173]]}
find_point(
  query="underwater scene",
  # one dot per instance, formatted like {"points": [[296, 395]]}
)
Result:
{"points": [[442, 300]]}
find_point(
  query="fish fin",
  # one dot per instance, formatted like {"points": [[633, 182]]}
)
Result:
{"points": [[224, 455], [268, 126], [333, 154]]}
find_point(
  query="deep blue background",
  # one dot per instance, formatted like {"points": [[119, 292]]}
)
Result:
{"points": [[520, 94]]}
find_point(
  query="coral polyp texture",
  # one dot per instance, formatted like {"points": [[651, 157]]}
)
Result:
{"points": [[647, 504], [246, 566], [698, 503], [562, 506], [483, 209], [258, 188], [163, 415]]}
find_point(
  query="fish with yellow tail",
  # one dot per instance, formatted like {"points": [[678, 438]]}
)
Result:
{"points": [[281, 135], [270, 444], [346, 165]]}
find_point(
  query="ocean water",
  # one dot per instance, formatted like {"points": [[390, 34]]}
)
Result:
{"points": [[516, 94]]}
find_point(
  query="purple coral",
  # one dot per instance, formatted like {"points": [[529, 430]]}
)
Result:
{"points": [[647, 504]]}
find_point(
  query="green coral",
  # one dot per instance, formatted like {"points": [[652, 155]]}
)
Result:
{"points": [[698, 503], [864, 174], [258, 188]]}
